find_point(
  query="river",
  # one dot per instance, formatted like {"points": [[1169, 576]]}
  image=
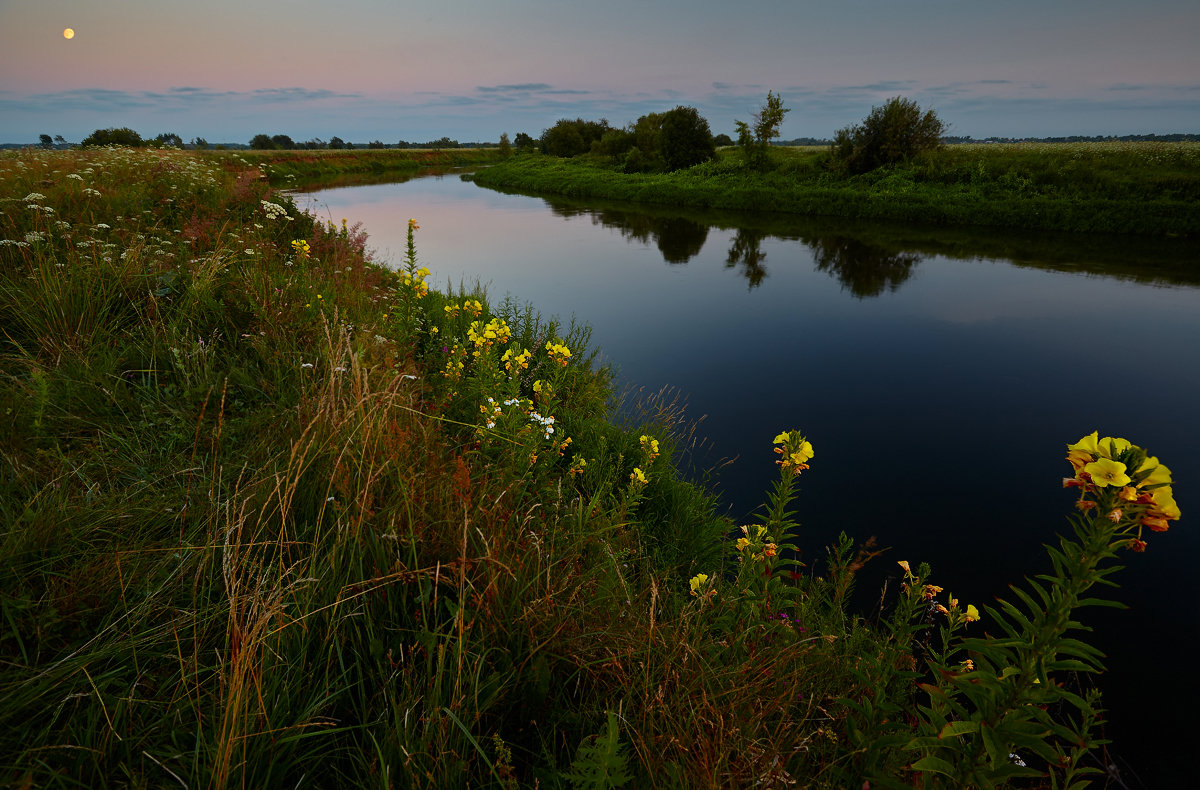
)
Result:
{"points": [[938, 373]]}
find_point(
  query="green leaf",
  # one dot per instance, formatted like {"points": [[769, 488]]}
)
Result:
{"points": [[956, 728], [936, 764]]}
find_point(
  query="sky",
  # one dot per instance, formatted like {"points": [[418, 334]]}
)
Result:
{"points": [[363, 70]]}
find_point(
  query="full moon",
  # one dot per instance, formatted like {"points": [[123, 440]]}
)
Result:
{"points": [[68, 33]]}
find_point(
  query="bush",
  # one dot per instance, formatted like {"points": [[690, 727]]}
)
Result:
{"points": [[570, 138], [122, 136], [893, 132], [685, 139]]}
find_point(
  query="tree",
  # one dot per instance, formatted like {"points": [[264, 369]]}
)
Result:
{"points": [[524, 143], [684, 138], [283, 141], [261, 142], [200, 144], [122, 136], [336, 143], [755, 140], [59, 140], [722, 140], [46, 141], [571, 138], [169, 138], [505, 145], [893, 132], [376, 144]]}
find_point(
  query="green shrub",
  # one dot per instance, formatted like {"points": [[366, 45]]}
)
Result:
{"points": [[893, 132]]}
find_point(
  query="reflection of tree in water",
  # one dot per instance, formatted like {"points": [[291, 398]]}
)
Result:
{"points": [[678, 239], [865, 269], [746, 251]]}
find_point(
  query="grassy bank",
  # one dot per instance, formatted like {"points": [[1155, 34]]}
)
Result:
{"points": [[1136, 188], [274, 515], [287, 168]]}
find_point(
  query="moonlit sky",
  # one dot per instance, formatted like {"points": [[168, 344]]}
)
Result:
{"points": [[417, 71]]}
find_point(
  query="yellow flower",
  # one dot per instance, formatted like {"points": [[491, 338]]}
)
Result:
{"points": [[1087, 444], [698, 581], [637, 476], [972, 613], [1111, 448], [1106, 472], [1159, 473], [1164, 503], [742, 543], [780, 439]]}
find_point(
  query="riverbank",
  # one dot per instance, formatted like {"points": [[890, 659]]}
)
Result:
{"points": [[273, 512], [1127, 188], [288, 168]]}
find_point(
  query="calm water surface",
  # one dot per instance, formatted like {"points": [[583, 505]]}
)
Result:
{"points": [[938, 373]]}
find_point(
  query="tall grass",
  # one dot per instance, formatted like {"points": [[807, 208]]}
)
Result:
{"points": [[274, 515]]}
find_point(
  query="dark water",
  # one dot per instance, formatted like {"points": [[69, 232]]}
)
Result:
{"points": [[938, 373]]}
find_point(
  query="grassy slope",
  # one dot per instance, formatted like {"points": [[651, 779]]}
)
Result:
{"points": [[257, 530], [1145, 188], [284, 167]]}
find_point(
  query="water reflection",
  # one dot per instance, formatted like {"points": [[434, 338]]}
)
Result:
{"points": [[863, 269], [679, 239], [745, 252]]}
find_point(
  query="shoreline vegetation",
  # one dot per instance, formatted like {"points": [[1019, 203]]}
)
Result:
{"points": [[1145, 188], [295, 167], [274, 514]]}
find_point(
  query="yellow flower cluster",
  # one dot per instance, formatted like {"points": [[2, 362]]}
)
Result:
{"points": [[757, 547], [483, 336], [649, 446], [637, 476], [558, 352], [697, 582], [416, 281], [930, 591], [471, 307], [516, 357], [1142, 485], [577, 465], [301, 247], [796, 451]]}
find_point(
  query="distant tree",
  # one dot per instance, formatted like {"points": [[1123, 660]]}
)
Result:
{"points": [[893, 132], [46, 141], [349, 146], [375, 144], [524, 142], [571, 138], [283, 141], [336, 143], [200, 144], [122, 136], [754, 140], [168, 138], [615, 143], [505, 145], [684, 138], [722, 140], [59, 140], [262, 142]]}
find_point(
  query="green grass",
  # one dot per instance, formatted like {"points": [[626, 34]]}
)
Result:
{"points": [[256, 530], [1134, 188], [287, 168]]}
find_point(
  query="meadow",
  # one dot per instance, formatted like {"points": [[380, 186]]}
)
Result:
{"points": [[275, 514], [1147, 188]]}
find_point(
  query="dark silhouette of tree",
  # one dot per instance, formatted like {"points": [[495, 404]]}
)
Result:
{"points": [[337, 143], [200, 144], [746, 251], [722, 140], [283, 142], [524, 143], [262, 142], [679, 239], [122, 136], [685, 138], [864, 269], [168, 138], [59, 140], [46, 141]]}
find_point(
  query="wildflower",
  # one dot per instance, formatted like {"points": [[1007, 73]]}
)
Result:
{"points": [[33, 197], [577, 466], [796, 451], [412, 224], [698, 581], [638, 476], [301, 247], [1106, 472], [972, 613], [904, 564], [649, 446], [558, 352]]}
